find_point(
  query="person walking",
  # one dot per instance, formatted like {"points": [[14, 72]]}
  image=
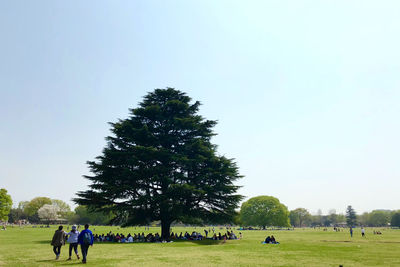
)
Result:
{"points": [[73, 242], [85, 239], [351, 231], [58, 241], [363, 232]]}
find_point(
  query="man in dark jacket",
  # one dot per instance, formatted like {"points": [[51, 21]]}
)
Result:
{"points": [[58, 241], [85, 239]]}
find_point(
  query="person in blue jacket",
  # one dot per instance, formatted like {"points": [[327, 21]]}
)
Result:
{"points": [[85, 239]]}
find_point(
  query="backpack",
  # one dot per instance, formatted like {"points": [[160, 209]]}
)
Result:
{"points": [[87, 239]]}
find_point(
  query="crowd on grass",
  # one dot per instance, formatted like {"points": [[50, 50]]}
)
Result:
{"points": [[154, 238]]}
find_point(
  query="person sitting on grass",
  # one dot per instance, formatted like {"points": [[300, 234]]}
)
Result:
{"points": [[268, 240], [273, 241]]}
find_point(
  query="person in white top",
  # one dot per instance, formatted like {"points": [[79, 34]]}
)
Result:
{"points": [[73, 242]]}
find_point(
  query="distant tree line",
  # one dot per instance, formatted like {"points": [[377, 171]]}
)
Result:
{"points": [[300, 217], [261, 211], [46, 210]]}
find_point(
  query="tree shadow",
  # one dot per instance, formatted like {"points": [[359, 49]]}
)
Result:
{"points": [[59, 262], [204, 242], [207, 242]]}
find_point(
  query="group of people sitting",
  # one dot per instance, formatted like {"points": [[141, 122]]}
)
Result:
{"points": [[121, 238], [377, 232], [226, 236], [154, 238], [270, 240]]}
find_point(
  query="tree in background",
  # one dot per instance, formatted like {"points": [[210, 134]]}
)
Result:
{"points": [[160, 164], [62, 207], [264, 211], [22, 204], [48, 213], [82, 216], [5, 204], [351, 217], [35, 204], [395, 221], [16, 215], [379, 218], [299, 217], [333, 217]]}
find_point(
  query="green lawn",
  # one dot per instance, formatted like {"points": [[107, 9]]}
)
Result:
{"points": [[302, 247]]}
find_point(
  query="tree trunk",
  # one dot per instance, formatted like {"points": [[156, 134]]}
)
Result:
{"points": [[165, 227]]}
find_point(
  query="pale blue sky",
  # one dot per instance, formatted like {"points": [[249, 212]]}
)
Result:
{"points": [[306, 92]]}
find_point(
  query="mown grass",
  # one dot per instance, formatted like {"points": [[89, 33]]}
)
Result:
{"points": [[302, 247]]}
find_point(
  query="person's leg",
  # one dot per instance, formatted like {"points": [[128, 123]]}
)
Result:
{"points": [[56, 250], [84, 249], [70, 250], [75, 245], [83, 253]]}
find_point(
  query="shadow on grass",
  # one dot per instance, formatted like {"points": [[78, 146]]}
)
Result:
{"points": [[60, 262], [206, 242]]}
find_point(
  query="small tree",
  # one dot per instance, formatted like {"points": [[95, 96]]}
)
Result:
{"points": [[264, 211], [351, 217], [48, 213], [5, 205]]}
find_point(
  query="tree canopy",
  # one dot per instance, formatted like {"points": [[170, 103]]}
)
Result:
{"points": [[264, 211], [5, 204], [82, 216], [35, 204], [395, 221], [351, 217], [160, 164], [379, 218], [48, 213], [299, 217]]}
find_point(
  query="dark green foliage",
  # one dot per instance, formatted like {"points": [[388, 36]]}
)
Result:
{"points": [[351, 217], [395, 222], [160, 165], [16, 215]]}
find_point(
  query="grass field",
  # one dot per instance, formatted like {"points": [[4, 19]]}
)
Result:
{"points": [[301, 247]]}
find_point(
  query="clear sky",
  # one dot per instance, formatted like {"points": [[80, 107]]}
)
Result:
{"points": [[306, 93]]}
